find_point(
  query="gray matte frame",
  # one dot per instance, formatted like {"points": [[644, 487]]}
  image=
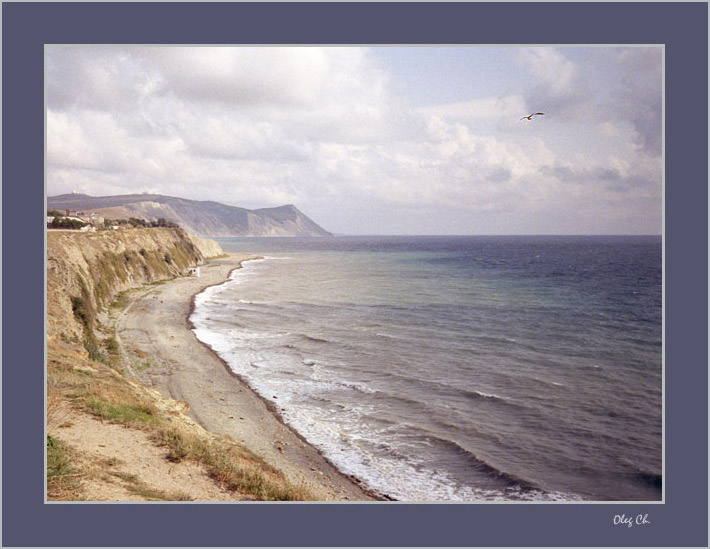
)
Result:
{"points": [[680, 521]]}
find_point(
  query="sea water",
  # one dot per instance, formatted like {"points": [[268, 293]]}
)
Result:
{"points": [[457, 368]]}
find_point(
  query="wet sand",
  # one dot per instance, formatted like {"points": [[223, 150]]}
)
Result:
{"points": [[155, 333]]}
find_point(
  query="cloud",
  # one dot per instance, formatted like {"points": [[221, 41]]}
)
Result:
{"points": [[98, 78], [245, 76], [617, 88], [555, 73], [324, 128], [640, 99], [559, 88]]}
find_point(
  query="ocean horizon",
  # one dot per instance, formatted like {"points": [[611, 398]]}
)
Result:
{"points": [[457, 368]]}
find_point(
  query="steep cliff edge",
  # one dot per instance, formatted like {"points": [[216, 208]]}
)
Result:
{"points": [[86, 271], [208, 247]]}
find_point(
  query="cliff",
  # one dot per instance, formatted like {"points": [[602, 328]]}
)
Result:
{"points": [[208, 247], [86, 271], [103, 426], [201, 218]]}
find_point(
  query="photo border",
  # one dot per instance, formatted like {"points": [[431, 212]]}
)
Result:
{"points": [[680, 521]]}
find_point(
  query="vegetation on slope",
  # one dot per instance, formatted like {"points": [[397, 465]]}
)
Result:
{"points": [[76, 381]]}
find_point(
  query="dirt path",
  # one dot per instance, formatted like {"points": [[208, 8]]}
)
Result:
{"points": [[153, 334], [118, 463]]}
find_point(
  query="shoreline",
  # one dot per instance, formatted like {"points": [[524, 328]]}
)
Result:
{"points": [[156, 324], [269, 405]]}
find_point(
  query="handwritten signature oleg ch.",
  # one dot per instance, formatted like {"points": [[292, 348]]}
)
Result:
{"points": [[640, 520]]}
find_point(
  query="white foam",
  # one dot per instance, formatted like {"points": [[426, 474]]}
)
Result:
{"points": [[490, 395], [245, 269], [362, 387], [402, 477], [341, 431]]}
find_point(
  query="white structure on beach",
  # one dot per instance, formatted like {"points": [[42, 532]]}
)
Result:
{"points": [[194, 271]]}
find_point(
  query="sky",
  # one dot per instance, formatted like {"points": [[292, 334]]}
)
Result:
{"points": [[370, 140]]}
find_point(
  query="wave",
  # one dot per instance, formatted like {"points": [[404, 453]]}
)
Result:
{"points": [[507, 480], [390, 336], [313, 339], [295, 342], [359, 387], [509, 485], [654, 480], [480, 394], [471, 394]]}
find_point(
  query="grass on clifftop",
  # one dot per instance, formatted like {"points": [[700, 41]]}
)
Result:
{"points": [[233, 466], [128, 414], [74, 379]]}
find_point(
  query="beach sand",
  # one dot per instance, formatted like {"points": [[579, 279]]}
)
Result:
{"points": [[155, 334]]}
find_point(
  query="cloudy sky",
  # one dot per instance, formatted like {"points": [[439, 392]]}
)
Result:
{"points": [[370, 140]]}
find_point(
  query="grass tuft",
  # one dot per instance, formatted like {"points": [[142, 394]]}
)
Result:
{"points": [[233, 467], [57, 412], [111, 346], [121, 413], [62, 479]]}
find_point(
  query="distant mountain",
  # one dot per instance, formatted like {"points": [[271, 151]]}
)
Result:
{"points": [[198, 218]]}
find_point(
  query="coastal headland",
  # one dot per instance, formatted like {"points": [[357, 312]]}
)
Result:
{"points": [[137, 407]]}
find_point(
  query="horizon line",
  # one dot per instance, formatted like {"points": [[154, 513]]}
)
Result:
{"points": [[336, 235]]}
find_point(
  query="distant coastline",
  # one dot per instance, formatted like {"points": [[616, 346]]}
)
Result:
{"points": [[201, 218]]}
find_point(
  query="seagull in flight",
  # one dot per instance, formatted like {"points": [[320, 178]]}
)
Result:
{"points": [[530, 117]]}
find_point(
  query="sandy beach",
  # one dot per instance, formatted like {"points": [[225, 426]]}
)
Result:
{"points": [[154, 331]]}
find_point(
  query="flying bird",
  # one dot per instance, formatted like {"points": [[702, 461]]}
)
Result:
{"points": [[531, 116]]}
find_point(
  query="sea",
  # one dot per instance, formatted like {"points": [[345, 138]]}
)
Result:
{"points": [[465, 368]]}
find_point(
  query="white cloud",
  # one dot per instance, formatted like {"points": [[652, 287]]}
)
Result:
{"points": [[640, 98], [322, 128], [555, 72]]}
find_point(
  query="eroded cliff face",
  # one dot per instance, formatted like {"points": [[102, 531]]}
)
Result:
{"points": [[208, 248], [86, 271]]}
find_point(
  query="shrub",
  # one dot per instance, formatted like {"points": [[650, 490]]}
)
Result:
{"points": [[81, 311], [95, 353], [135, 222], [162, 222], [111, 345], [64, 223]]}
